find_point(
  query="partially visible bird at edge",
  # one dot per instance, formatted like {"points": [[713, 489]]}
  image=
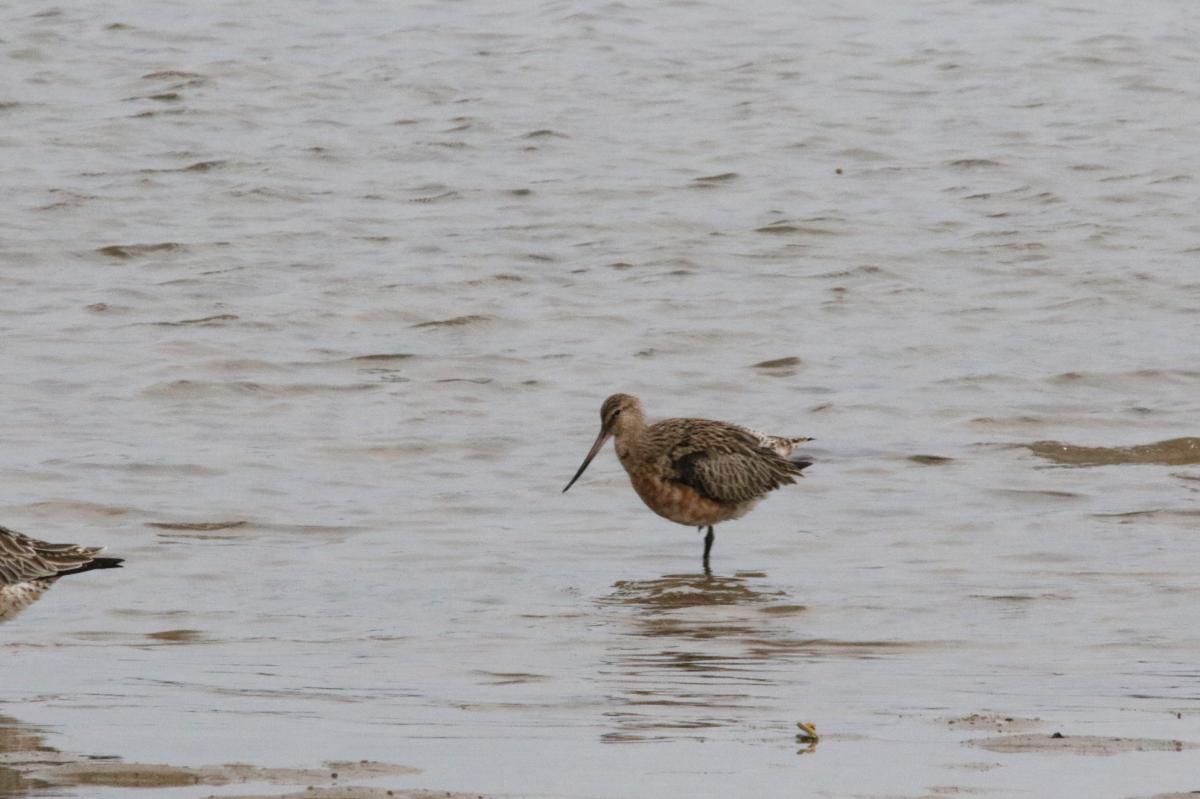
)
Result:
{"points": [[696, 472], [28, 567]]}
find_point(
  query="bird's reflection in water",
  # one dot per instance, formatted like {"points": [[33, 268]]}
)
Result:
{"points": [[16, 737], [697, 655], [674, 591]]}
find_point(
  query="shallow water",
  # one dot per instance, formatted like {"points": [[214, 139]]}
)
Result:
{"points": [[309, 315]]}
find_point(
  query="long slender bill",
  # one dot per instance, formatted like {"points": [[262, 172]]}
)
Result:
{"points": [[600, 439]]}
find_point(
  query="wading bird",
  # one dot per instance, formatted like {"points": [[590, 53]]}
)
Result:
{"points": [[28, 567], [694, 471]]}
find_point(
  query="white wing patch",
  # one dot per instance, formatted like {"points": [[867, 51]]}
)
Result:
{"points": [[18, 596], [783, 445]]}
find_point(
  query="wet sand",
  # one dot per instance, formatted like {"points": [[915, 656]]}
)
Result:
{"points": [[28, 766]]}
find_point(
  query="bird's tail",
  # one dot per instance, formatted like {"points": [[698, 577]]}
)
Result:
{"points": [[799, 466], [95, 563], [783, 445]]}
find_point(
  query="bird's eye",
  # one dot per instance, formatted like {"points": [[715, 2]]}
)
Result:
{"points": [[616, 413]]}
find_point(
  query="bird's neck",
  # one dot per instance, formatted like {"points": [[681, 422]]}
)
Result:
{"points": [[628, 436]]}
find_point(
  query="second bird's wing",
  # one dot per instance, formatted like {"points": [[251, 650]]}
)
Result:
{"points": [[23, 558]]}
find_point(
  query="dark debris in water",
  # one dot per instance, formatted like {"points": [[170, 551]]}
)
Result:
{"points": [[780, 228], [433, 198], [456, 321], [197, 526], [204, 320], [511, 677], [778, 363], [159, 113], [974, 163], [545, 133], [712, 180], [199, 166], [930, 460], [1031, 494], [1184, 513], [171, 74], [127, 251], [382, 356], [1172, 452], [202, 166], [176, 636]]}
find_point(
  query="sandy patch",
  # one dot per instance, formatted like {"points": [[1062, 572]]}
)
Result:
{"points": [[993, 722], [357, 792], [27, 763], [1057, 743], [155, 775], [1174, 452]]}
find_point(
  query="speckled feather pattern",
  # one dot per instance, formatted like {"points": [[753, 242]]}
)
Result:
{"points": [[28, 567], [723, 462], [783, 445], [698, 471], [23, 558], [18, 596]]}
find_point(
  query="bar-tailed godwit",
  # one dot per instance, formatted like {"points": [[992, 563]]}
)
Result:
{"points": [[28, 567], [694, 471]]}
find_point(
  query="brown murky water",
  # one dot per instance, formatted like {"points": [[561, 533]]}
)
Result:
{"points": [[308, 314]]}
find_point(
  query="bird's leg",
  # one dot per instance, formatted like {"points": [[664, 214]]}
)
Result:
{"points": [[708, 542]]}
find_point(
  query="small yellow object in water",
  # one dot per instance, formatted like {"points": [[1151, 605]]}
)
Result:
{"points": [[808, 731]]}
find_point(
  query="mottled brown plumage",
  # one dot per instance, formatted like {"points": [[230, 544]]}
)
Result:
{"points": [[28, 567], [694, 471]]}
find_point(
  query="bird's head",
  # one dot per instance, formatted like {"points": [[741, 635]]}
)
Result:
{"points": [[619, 415]]}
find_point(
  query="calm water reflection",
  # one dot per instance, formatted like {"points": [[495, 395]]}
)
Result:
{"points": [[692, 656]]}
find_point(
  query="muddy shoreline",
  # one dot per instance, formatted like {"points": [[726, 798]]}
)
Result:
{"points": [[29, 766]]}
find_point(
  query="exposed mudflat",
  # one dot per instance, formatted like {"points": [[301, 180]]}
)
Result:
{"points": [[1078, 744], [1174, 452], [29, 766]]}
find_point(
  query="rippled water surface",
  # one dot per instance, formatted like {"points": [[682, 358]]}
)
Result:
{"points": [[307, 311]]}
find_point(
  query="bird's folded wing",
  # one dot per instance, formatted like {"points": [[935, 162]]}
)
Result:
{"points": [[23, 558], [734, 476]]}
